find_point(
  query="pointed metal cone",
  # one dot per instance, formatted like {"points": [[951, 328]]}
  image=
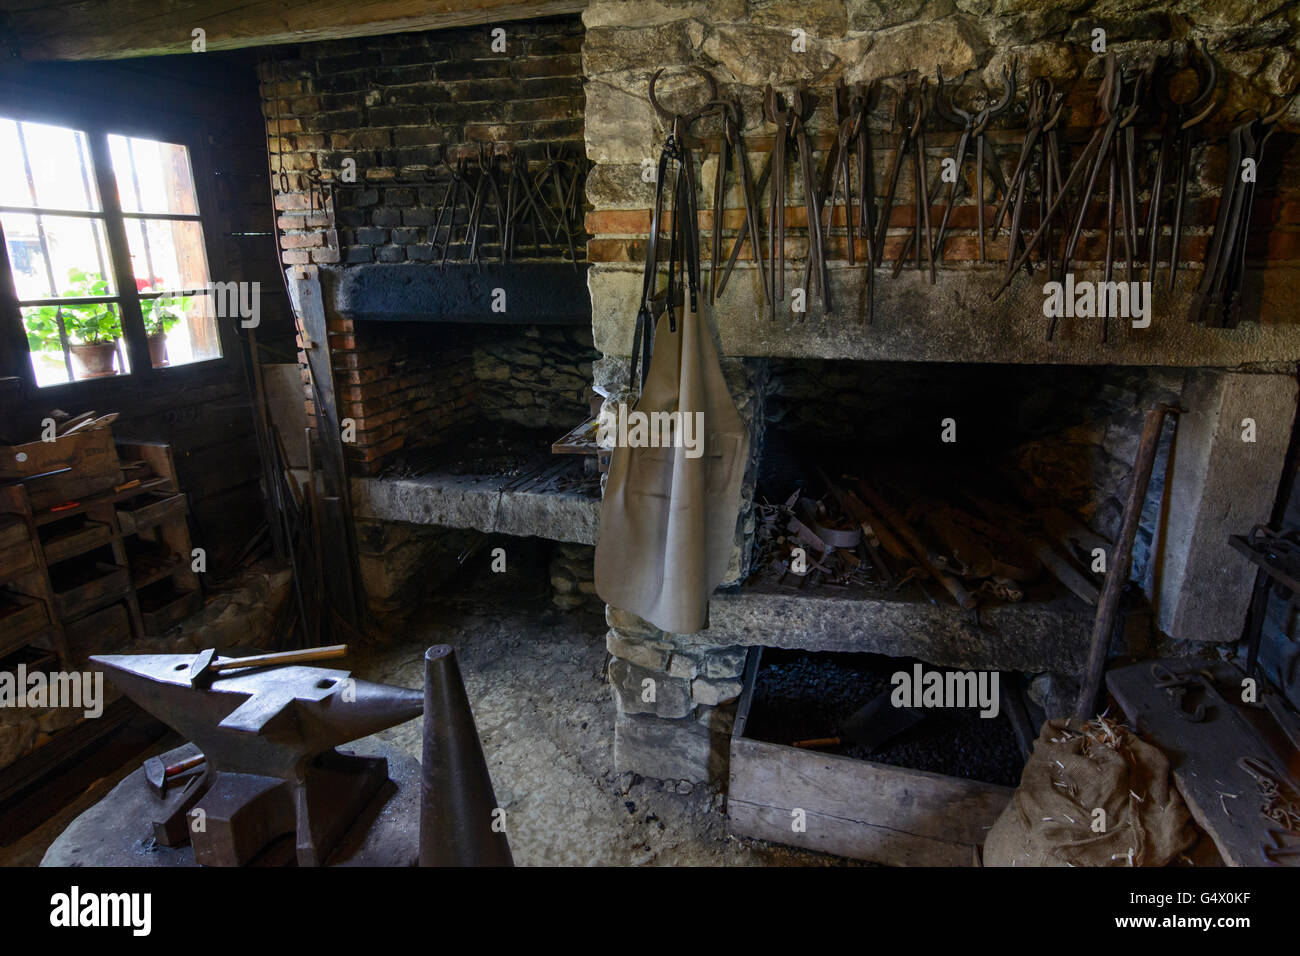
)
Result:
{"points": [[457, 805]]}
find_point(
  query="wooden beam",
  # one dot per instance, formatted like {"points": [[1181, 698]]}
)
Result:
{"points": [[118, 29]]}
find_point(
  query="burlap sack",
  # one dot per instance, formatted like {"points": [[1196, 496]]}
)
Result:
{"points": [[1075, 770]]}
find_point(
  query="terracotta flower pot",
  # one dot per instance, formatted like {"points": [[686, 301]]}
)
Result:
{"points": [[158, 349], [93, 361]]}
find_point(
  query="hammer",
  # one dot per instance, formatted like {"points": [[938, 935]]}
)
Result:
{"points": [[205, 667], [157, 773]]}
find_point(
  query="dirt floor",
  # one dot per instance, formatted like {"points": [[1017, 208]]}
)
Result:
{"points": [[535, 678], [536, 681]]}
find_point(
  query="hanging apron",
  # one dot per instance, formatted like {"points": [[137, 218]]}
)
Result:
{"points": [[668, 521]]}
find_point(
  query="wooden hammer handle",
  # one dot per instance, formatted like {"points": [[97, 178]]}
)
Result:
{"points": [[282, 657]]}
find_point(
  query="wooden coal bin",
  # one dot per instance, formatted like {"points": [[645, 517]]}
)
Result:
{"points": [[854, 808]]}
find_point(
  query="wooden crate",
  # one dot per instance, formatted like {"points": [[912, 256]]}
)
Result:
{"points": [[854, 808], [78, 536], [90, 451], [163, 605], [20, 617], [149, 510], [89, 585]]}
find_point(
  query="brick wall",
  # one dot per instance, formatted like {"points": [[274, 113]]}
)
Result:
{"points": [[397, 106]]}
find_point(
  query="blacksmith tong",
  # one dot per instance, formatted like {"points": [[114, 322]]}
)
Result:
{"points": [[1180, 120], [973, 125], [910, 111], [791, 125]]}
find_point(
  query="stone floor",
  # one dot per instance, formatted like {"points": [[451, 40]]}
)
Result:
{"points": [[536, 681]]}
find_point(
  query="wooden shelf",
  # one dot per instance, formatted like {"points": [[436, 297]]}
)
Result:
{"points": [[109, 564], [75, 539]]}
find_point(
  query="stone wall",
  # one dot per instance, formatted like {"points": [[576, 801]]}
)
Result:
{"points": [[748, 44], [538, 376]]}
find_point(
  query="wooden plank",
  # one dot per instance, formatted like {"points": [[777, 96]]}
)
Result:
{"points": [[580, 440], [915, 802], [855, 839], [1222, 797], [116, 29]]}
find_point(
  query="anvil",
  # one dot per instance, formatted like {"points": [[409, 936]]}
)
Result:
{"points": [[269, 736]]}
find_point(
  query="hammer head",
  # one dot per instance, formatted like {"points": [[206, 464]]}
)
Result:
{"points": [[155, 773], [201, 673]]}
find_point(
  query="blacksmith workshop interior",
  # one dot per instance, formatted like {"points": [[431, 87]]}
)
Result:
{"points": [[743, 433]]}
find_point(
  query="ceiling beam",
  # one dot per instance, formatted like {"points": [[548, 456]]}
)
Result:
{"points": [[117, 29]]}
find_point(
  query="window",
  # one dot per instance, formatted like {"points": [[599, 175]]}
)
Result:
{"points": [[101, 279]]}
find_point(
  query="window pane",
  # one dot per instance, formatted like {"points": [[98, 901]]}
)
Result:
{"points": [[93, 334], [152, 176], [45, 166], [181, 329], [57, 256], [167, 255]]}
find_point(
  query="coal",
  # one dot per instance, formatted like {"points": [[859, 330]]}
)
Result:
{"points": [[801, 696]]}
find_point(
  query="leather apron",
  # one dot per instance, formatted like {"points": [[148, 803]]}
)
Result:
{"points": [[668, 521]]}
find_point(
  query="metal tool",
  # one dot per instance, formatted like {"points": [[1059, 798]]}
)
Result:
{"points": [[1217, 301], [683, 248], [791, 127], [205, 668], [158, 774], [1045, 109], [731, 149], [1178, 685], [910, 111], [973, 125], [1180, 120]]}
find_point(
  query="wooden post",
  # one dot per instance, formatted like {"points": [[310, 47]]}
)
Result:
{"points": [[1121, 560]]}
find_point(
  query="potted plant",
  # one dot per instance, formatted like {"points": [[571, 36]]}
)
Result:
{"points": [[92, 329], [160, 317]]}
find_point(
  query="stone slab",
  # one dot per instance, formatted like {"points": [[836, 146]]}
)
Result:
{"points": [[1219, 485], [1030, 636], [478, 503], [958, 320]]}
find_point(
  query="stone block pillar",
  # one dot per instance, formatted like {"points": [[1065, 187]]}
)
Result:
{"points": [[675, 699], [1220, 483]]}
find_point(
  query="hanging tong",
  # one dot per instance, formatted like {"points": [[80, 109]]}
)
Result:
{"points": [[783, 119], [450, 201], [1045, 109], [1087, 165], [1180, 119], [910, 111], [733, 146], [684, 235], [1217, 301]]}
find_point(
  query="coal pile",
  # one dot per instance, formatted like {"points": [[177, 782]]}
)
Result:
{"points": [[803, 696]]}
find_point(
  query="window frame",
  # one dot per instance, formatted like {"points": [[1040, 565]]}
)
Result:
{"points": [[98, 124]]}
